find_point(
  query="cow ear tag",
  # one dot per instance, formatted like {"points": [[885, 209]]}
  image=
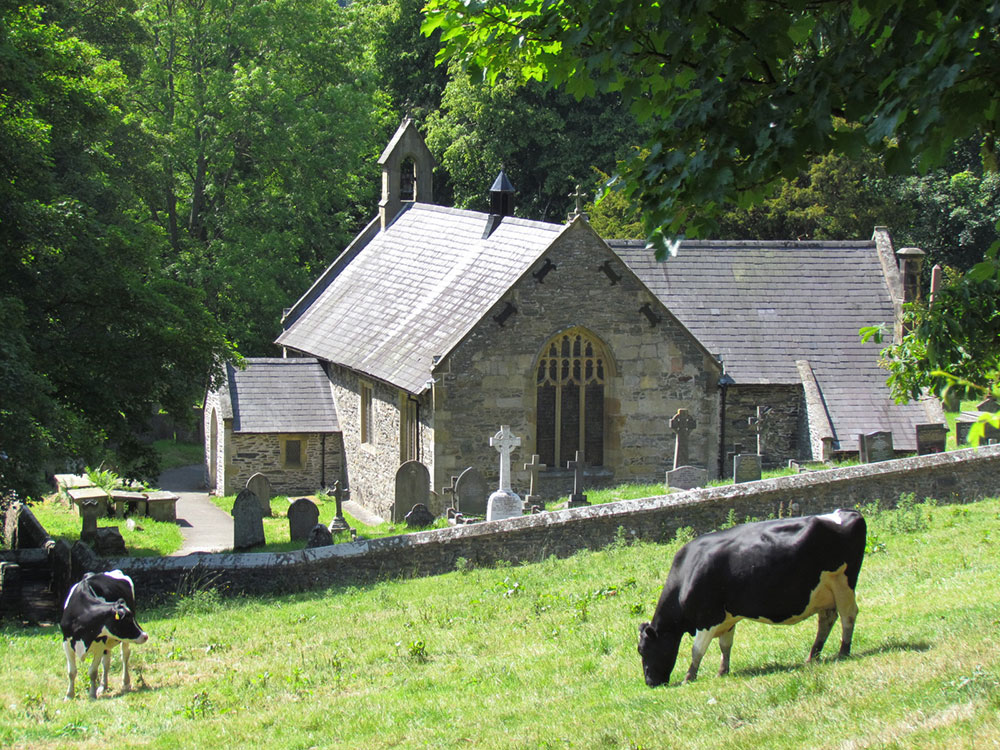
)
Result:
{"points": [[118, 615]]}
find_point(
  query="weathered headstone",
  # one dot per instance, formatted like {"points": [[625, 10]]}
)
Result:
{"points": [[504, 503], [419, 517], [108, 542], [682, 423], [990, 405], [761, 425], [746, 468], [687, 477], [302, 516], [931, 438], [533, 468], [260, 485], [248, 523], [319, 536], [413, 485], [90, 509], [339, 523], [471, 492], [877, 446], [577, 499]]}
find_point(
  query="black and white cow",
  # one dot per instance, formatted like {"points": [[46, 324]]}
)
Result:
{"points": [[99, 613], [779, 572]]}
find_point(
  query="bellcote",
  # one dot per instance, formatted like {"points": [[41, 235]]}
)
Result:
{"points": [[407, 167]]}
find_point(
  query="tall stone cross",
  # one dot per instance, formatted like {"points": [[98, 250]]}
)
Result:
{"points": [[682, 423], [577, 498], [760, 423], [533, 468], [505, 441], [340, 493]]}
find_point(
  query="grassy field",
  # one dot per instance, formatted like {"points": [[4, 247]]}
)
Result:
{"points": [[148, 538], [543, 656]]}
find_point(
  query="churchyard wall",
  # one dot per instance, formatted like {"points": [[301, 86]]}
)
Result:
{"points": [[959, 476], [490, 378]]}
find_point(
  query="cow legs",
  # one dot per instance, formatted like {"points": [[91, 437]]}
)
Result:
{"points": [[126, 680], [726, 646], [701, 641], [826, 617], [95, 665], [70, 668], [847, 606], [105, 659]]}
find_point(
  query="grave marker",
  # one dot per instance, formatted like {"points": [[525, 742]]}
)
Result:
{"points": [[682, 423], [577, 499], [302, 516], [931, 438], [260, 486], [504, 503], [877, 446], [339, 523], [248, 524], [413, 485], [687, 477], [419, 517], [746, 468], [533, 468], [319, 536], [761, 425], [471, 493]]}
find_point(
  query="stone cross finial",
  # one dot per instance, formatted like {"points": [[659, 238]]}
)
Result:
{"points": [[682, 423], [578, 195], [505, 441], [760, 424]]}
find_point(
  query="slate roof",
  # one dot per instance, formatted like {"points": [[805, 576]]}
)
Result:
{"points": [[281, 395], [412, 292], [763, 305]]}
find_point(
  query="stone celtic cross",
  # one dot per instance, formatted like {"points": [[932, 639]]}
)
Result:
{"points": [[760, 424], [682, 423], [505, 441]]}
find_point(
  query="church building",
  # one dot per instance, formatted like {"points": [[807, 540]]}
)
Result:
{"points": [[437, 325]]}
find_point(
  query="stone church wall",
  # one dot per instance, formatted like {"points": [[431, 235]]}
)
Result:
{"points": [[787, 430], [489, 379], [373, 464]]}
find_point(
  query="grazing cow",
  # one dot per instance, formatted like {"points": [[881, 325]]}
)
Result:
{"points": [[779, 572], [99, 613]]}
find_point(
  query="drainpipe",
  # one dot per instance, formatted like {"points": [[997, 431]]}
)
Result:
{"points": [[322, 460], [724, 382], [416, 420]]}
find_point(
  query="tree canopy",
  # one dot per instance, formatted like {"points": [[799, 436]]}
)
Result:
{"points": [[743, 93]]}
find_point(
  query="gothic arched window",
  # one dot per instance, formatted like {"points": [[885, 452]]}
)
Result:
{"points": [[571, 376]]}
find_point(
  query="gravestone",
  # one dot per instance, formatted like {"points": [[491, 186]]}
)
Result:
{"points": [[162, 506], [989, 405], [248, 523], [340, 494], [746, 468], [687, 477], [449, 491], [577, 499], [876, 446], [931, 438], [504, 503], [682, 423], [90, 509], [419, 517], [99, 496], [108, 542], [413, 485], [533, 468], [260, 485], [471, 493], [319, 536], [302, 516]]}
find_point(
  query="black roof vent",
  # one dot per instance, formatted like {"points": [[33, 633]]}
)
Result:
{"points": [[501, 203]]}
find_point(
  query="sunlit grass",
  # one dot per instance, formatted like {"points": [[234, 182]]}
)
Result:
{"points": [[543, 656]]}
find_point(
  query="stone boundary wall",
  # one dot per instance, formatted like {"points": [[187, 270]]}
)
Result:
{"points": [[959, 476]]}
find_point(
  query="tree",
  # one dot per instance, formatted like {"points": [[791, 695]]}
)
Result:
{"points": [[742, 93], [93, 336]]}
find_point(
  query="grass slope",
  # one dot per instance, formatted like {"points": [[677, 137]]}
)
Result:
{"points": [[543, 656]]}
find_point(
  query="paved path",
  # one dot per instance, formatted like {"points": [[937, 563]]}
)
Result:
{"points": [[204, 527]]}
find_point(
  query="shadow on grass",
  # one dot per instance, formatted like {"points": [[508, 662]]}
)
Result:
{"points": [[889, 647]]}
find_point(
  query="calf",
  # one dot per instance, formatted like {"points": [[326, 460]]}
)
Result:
{"points": [[99, 613], [779, 572]]}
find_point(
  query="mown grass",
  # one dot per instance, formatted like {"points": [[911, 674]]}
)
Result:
{"points": [[543, 656]]}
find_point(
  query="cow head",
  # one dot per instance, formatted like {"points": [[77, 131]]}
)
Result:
{"points": [[122, 624], [658, 652]]}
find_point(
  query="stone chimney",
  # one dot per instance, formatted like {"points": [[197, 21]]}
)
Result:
{"points": [[407, 167], [911, 260], [501, 203]]}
